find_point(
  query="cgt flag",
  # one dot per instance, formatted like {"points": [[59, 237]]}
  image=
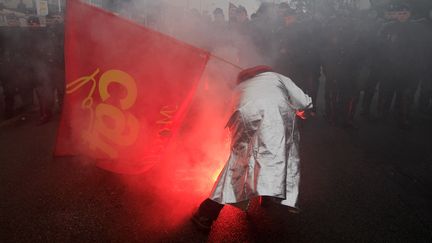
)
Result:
{"points": [[128, 89]]}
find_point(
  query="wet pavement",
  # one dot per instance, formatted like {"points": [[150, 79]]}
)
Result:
{"points": [[370, 185]]}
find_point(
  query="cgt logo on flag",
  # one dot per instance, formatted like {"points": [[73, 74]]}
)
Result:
{"points": [[100, 135], [128, 89]]}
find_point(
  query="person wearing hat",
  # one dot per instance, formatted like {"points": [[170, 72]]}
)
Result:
{"points": [[374, 47], [297, 52], [240, 21], [218, 15], [242, 15], [425, 99], [264, 153], [401, 56]]}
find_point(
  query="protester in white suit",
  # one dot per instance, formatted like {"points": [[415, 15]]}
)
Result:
{"points": [[264, 157]]}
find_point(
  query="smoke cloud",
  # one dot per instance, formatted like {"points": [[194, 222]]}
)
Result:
{"points": [[175, 185]]}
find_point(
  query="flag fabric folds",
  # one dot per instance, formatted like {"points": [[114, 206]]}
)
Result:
{"points": [[128, 89]]}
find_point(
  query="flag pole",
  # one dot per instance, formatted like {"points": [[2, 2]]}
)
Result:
{"points": [[226, 61]]}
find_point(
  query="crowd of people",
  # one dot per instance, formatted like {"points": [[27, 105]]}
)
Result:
{"points": [[354, 51], [31, 69], [384, 54]]}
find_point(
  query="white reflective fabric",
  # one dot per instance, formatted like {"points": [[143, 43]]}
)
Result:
{"points": [[264, 158]]}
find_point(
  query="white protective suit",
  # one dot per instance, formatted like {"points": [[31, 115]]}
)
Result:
{"points": [[264, 157]]}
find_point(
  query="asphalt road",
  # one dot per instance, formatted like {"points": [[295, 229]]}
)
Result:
{"points": [[373, 185]]}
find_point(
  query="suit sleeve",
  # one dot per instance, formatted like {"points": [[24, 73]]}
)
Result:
{"points": [[297, 98]]}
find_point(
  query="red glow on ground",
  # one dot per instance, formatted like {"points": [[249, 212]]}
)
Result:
{"points": [[174, 187], [221, 158], [301, 114], [216, 175]]}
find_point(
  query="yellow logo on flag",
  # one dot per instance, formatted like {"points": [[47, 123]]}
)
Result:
{"points": [[123, 129]]}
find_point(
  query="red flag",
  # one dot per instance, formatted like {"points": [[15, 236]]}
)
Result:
{"points": [[128, 89]]}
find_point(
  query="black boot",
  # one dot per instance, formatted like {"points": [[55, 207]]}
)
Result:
{"points": [[206, 214]]}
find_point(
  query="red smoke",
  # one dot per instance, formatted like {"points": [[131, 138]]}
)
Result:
{"points": [[165, 180], [195, 158]]}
